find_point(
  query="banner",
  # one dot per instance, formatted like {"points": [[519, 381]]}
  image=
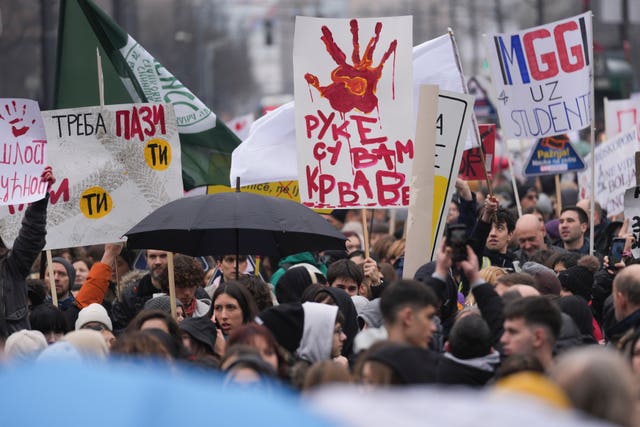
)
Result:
{"points": [[615, 171], [471, 168], [354, 116], [454, 118], [24, 152], [131, 74], [620, 115], [543, 77], [114, 165]]}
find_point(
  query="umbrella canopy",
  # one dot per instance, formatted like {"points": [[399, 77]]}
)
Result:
{"points": [[234, 223]]}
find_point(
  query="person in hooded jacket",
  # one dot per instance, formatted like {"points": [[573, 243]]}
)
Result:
{"points": [[338, 297]]}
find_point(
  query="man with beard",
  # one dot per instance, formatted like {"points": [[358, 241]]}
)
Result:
{"points": [[135, 296]]}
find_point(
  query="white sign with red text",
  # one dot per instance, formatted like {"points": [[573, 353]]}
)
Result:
{"points": [[114, 165]]}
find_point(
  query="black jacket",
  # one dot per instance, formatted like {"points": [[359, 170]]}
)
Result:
{"points": [[16, 265], [133, 299]]}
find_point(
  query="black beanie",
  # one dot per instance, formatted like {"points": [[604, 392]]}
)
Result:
{"points": [[286, 322], [578, 280], [71, 272]]}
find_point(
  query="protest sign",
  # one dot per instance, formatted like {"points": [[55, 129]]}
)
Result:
{"points": [[354, 117], [471, 167], [420, 219], [542, 76], [615, 171], [113, 164], [454, 118], [632, 213], [23, 156], [553, 155], [620, 115]]}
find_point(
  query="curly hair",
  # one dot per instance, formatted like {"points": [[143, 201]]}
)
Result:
{"points": [[188, 271]]}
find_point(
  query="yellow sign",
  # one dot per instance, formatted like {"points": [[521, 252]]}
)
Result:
{"points": [[281, 189]]}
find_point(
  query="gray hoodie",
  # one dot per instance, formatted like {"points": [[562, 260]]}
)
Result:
{"points": [[317, 333]]}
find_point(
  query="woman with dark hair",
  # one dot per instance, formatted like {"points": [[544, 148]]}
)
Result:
{"points": [[232, 307], [49, 320], [156, 319], [260, 291], [262, 339]]}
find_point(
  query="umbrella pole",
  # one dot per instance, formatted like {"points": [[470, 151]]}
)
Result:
{"points": [[237, 254], [365, 232], [172, 284]]}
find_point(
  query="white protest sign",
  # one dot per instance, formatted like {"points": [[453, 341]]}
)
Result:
{"points": [[542, 76], [354, 111], [615, 171], [620, 115], [114, 165], [23, 155], [632, 213], [419, 217], [454, 118]]}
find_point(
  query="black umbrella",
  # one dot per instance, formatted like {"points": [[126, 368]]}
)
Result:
{"points": [[240, 223]]}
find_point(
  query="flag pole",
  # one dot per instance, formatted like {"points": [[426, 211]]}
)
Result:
{"points": [[513, 183], [100, 78], [52, 282], [592, 202]]}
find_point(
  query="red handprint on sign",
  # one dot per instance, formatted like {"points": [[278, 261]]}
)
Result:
{"points": [[16, 122], [353, 86]]}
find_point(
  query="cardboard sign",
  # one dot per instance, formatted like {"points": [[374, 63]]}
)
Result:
{"points": [[542, 76], [354, 114], [114, 165], [615, 171], [553, 155], [471, 168], [23, 155]]}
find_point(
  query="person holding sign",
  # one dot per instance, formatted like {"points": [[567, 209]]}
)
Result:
{"points": [[15, 263]]}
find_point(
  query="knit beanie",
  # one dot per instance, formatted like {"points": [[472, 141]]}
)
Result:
{"points": [[285, 322], [24, 344], [161, 303], [578, 280], [71, 272], [93, 313]]}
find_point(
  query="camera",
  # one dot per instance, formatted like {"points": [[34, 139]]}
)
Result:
{"points": [[456, 236]]}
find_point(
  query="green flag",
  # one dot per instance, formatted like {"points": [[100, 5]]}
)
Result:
{"points": [[131, 74]]}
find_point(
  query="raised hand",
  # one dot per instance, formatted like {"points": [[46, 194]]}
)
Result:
{"points": [[353, 86], [47, 175]]}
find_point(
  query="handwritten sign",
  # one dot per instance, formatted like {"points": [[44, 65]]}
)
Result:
{"points": [[114, 165], [632, 213], [620, 115], [455, 112], [542, 76], [354, 114], [615, 171], [471, 168], [23, 155]]}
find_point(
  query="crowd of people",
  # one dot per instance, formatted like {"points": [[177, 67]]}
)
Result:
{"points": [[519, 305]]}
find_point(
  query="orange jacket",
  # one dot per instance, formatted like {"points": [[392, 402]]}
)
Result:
{"points": [[95, 286]]}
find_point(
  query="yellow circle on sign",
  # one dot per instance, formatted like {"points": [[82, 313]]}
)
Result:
{"points": [[157, 154], [95, 202]]}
